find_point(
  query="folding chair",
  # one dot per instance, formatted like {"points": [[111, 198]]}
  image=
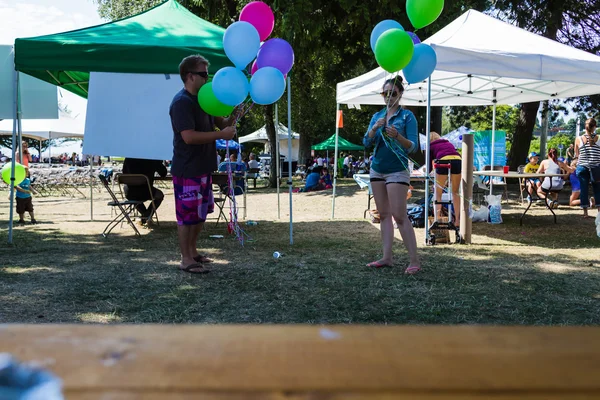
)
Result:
{"points": [[219, 181], [125, 209], [253, 174], [138, 180]]}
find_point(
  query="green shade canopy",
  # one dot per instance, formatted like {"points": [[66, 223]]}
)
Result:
{"points": [[152, 42], [343, 144]]}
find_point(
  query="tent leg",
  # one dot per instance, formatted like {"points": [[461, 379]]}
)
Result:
{"points": [[493, 140], [335, 163], [290, 183], [91, 192], [427, 159], [17, 108], [278, 172]]}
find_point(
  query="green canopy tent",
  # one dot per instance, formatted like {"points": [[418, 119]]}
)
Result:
{"points": [[343, 144], [152, 42]]}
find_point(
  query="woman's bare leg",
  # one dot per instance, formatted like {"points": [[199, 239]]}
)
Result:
{"points": [[397, 203]]}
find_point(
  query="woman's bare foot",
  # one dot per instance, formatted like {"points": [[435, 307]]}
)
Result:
{"points": [[412, 269], [380, 263]]}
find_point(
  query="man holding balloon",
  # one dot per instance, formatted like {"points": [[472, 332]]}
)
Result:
{"points": [[194, 160]]}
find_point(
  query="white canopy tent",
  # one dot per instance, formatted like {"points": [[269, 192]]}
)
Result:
{"points": [[282, 135], [484, 61], [44, 129]]}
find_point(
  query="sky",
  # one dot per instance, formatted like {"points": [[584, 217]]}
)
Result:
{"points": [[26, 18]]}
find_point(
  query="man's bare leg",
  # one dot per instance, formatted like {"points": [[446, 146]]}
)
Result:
{"points": [[185, 233], [193, 240]]}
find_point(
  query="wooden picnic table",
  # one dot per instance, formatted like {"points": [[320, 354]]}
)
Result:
{"points": [[313, 362], [522, 176]]}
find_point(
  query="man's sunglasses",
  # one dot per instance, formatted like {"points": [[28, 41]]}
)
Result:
{"points": [[390, 94], [203, 74]]}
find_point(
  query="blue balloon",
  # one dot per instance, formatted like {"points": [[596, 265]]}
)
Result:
{"points": [[230, 86], [422, 64], [267, 85], [382, 27], [241, 43]]}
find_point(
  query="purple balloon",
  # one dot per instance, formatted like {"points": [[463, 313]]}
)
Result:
{"points": [[276, 53], [414, 37]]}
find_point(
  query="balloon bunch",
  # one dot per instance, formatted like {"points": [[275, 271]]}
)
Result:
{"points": [[243, 42], [395, 49]]}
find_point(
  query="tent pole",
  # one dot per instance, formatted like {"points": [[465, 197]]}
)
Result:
{"points": [[12, 159], [493, 140], [335, 162], [91, 192], [277, 160], [290, 183], [427, 159], [544, 132]]}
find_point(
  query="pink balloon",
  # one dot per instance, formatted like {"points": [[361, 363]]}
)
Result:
{"points": [[254, 68], [260, 16]]}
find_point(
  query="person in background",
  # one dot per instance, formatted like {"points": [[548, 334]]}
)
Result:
{"points": [[325, 181], [574, 199], [320, 160], [141, 192], [26, 155], [531, 168], [570, 153], [587, 150], [313, 179], [24, 200], [442, 151], [253, 163], [390, 178], [238, 168], [551, 166], [218, 158]]}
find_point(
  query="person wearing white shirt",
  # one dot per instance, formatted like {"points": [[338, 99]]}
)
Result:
{"points": [[320, 161], [253, 163]]}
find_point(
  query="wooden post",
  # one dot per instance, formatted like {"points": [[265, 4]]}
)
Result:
{"points": [[467, 188]]}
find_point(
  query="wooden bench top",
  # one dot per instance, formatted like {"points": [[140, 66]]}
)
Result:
{"points": [[125, 362]]}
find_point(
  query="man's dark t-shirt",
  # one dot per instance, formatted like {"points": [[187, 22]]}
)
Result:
{"points": [[144, 167], [191, 160]]}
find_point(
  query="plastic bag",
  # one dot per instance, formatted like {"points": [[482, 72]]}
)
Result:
{"points": [[22, 382], [481, 215], [495, 208]]}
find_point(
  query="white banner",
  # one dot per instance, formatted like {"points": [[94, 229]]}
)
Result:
{"points": [[128, 115]]}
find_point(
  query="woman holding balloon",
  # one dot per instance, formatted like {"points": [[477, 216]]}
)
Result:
{"points": [[393, 133]]}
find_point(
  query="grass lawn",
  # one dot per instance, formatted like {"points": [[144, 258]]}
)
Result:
{"points": [[62, 270]]}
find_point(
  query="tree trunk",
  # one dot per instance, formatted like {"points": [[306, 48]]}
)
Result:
{"points": [[528, 115], [270, 127], [305, 145], [523, 133], [436, 119]]}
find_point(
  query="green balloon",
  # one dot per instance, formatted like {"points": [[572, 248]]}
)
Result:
{"points": [[394, 50], [20, 173], [210, 104], [423, 12]]}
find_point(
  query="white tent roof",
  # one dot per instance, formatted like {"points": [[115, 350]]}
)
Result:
{"points": [[44, 129], [261, 135], [476, 54]]}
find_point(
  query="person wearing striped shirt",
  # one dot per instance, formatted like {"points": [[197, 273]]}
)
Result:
{"points": [[587, 152]]}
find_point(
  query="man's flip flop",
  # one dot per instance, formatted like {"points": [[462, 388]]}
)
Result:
{"points": [[377, 264], [412, 270], [190, 268], [201, 258]]}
